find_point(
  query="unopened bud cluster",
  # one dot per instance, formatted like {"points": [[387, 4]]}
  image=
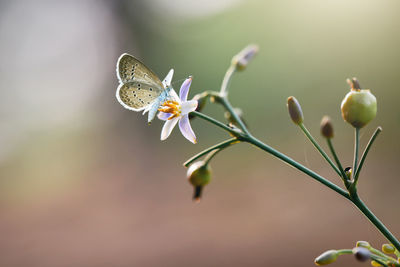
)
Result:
{"points": [[362, 252]]}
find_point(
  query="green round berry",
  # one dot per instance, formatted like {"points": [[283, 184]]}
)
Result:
{"points": [[359, 107], [199, 174]]}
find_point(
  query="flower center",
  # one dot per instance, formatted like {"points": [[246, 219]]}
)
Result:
{"points": [[171, 107]]}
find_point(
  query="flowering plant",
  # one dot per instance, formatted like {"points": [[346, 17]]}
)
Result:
{"points": [[358, 108]]}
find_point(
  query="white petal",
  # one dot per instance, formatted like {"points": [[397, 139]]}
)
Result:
{"points": [[164, 116], [188, 106], [183, 93], [168, 127], [167, 81], [174, 96], [186, 129]]}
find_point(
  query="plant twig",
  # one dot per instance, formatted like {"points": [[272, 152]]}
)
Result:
{"points": [[332, 149], [365, 153], [356, 148], [227, 78], [215, 122], [219, 146], [320, 150]]}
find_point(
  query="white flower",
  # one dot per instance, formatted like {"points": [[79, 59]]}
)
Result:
{"points": [[178, 109]]}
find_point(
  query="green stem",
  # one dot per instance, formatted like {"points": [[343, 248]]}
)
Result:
{"points": [[219, 146], [381, 254], [356, 148], [227, 78], [212, 154], [365, 153], [378, 256], [317, 146], [214, 121], [397, 253], [379, 260], [344, 176], [353, 196], [220, 99], [344, 251], [225, 103], [295, 164], [374, 220]]}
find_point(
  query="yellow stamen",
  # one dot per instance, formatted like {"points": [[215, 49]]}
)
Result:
{"points": [[166, 110], [172, 107], [173, 116]]}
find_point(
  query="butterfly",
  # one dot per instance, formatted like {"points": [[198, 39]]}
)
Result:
{"points": [[141, 89]]}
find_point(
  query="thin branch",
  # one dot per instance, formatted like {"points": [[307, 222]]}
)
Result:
{"points": [[221, 145], [344, 176], [214, 121], [318, 147], [227, 78], [356, 148], [365, 153]]}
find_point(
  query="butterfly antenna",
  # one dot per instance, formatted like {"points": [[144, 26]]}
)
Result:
{"points": [[178, 81]]}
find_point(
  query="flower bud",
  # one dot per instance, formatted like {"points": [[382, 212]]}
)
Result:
{"points": [[326, 127], [242, 59], [375, 264], [349, 172], [361, 254], [363, 244], [327, 257], [388, 248], [199, 174], [359, 105], [295, 112]]}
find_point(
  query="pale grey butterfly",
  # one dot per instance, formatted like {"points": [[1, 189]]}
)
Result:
{"points": [[141, 89]]}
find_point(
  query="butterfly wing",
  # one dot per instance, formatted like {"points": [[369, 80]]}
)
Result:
{"points": [[141, 89], [137, 95], [130, 69]]}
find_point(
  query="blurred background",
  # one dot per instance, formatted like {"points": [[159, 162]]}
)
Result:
{"points": [[85, 182]]}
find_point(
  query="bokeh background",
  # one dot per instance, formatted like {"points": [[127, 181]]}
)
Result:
{"points": [[85, 182]]}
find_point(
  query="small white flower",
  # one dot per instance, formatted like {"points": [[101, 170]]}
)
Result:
{"points": [[178, 109]]}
